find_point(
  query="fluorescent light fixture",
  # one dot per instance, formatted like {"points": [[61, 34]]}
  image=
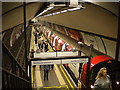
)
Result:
{"points": [[64, 11], [58, 12], [53, 13], [49, 14], [73, 9], [49, 8]]}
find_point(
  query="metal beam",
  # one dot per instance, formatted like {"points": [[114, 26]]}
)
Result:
{"points": [[63, 60], [57, 58]]}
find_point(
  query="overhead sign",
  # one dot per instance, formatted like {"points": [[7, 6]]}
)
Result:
{"points": [[70, 61], [46, 62], [60, 61], [55, 54]]}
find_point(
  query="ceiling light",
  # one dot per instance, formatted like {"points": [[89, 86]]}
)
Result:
{"points": [[57, 12], [73, 9], [49, 8], [64, 11]]}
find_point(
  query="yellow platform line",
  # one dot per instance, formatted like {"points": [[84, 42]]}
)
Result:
{"points": [[59, 76], [32, 77], [38, 77], [66, 77], [57, 86]]}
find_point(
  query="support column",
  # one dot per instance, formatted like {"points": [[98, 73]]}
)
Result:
{"points": [[88, 68], [25, 35], [117, 56]]}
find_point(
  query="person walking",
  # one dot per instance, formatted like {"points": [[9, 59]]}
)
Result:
{"points": [[46, 71], [102, 80]]}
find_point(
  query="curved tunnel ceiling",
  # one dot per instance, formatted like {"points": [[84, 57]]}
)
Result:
{"points": [[111, 6], [93, 19], [13, 13]]}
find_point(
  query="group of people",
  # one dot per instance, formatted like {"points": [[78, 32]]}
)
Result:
{"points": [[42, 47]]}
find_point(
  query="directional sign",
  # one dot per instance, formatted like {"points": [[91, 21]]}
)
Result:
{"points": [[46, 62], [79, 60], [54, 54], [60, 61]]}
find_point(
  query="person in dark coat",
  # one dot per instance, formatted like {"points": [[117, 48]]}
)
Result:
{"points": [[46, 71], [46, 46], [35, 37]]}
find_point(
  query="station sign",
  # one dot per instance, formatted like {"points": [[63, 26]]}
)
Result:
{"points": [[60, 61], [55, 54]]}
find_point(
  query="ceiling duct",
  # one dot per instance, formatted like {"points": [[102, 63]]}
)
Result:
{"points": [[69, 3], [77, 3], [53, 3]]}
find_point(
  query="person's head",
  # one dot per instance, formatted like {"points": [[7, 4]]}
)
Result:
{"points": [[46, 42], [102, 73]]}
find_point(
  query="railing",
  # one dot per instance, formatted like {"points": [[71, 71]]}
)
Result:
{"points": [[13, 64], [13, 75]]}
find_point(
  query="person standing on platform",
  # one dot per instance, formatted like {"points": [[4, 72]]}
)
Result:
{"points": [[46, 46], [39, 42], [32, 53], [52, 66], [102, 80], [46, 71], [35, 34]]}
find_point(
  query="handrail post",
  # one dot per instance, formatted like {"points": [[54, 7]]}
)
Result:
{"points": [[25, 35], [88, 68]]}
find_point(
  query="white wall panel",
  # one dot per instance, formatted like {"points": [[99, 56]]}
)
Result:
{"points": [[89, 39], [111, 47], [91, 19], [100, 44], [85, 39]]}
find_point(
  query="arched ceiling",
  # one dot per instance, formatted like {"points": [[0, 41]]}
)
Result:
{"points": [[13, 13], [7, 6], [111, 6], [96, 18], [93, 18]]}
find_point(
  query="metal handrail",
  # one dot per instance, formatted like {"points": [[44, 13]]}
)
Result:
{"points": [[12, 57], [14, 75]]}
